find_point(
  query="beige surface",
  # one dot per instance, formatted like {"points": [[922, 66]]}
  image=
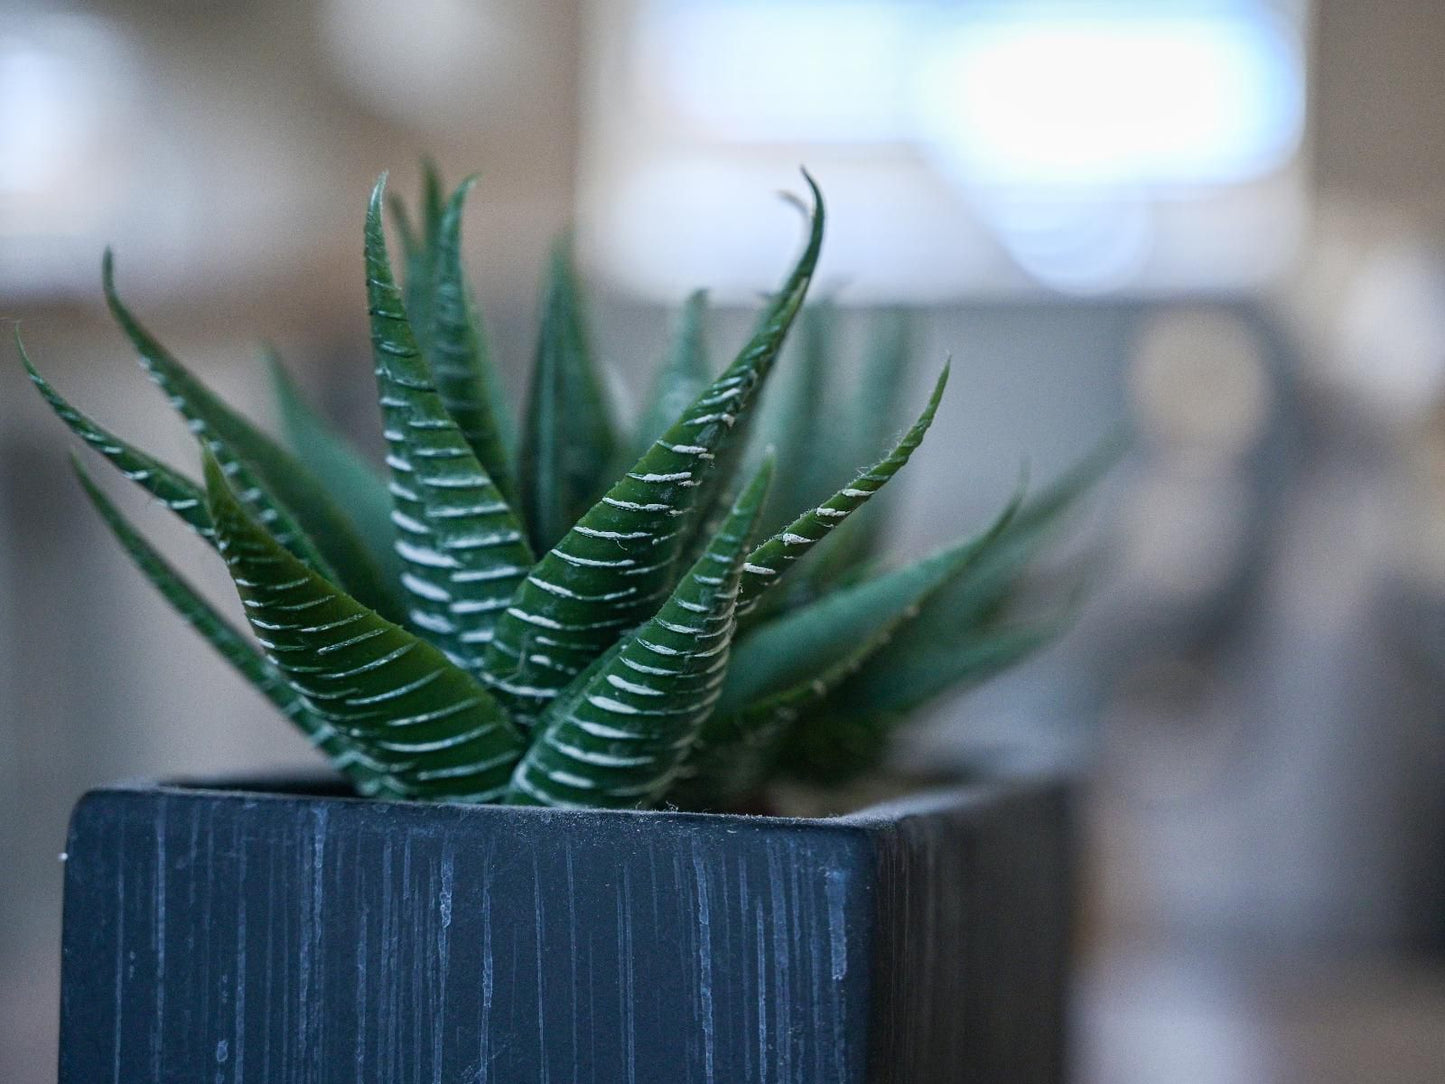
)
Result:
{"points": [[1226, 1016]]}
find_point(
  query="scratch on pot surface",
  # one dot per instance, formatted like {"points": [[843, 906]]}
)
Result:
{"points": [[318, 898], [834, 887], [119, 954], [704, 949], [239, 1008], [762, 944], [439, 1005], [484, 1038], [309, 1010], [361, 1028], [159, 937], [268, 975], [626, 1000], [807, 944], [416, 928], [386, 1048], [748, 1004], [207, 902], [782, 1001], [541, 919], [572, 954]]}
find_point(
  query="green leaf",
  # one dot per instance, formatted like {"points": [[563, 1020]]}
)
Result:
{"points": [[847, 733], [684, 374], [960, 635], [878, 396], [792, 417], [274, 485], [421, 253], [411, 242], [735, 754], [906, 674], [462, 546], [715, 496], [425, 722], [457, 354], [805, 642], [433, 199], [971, 603], [620, 737], [767, 563], [173, 489], [835, 723], [870, 421], [232, 646], [616, 565], [343, 470], [1062, 496], [567, 436]]}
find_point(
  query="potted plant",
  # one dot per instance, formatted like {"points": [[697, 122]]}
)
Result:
{"points": [[557, 694]]}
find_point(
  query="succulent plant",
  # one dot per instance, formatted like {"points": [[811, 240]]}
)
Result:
{"points": [[498, 620]]}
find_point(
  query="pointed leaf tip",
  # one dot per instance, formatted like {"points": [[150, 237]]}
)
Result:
{"points": [[769, 561], [172, 489], [455, 347], [378, 198], [275, 486]]}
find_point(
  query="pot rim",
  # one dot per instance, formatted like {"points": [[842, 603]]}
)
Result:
{"points": [[933, 797]]}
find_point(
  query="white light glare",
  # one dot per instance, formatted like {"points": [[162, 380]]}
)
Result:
{"points": [[1043, 97], [781, 70]]}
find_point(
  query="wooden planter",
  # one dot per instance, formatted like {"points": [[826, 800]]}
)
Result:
{"points": [[240, 934]]}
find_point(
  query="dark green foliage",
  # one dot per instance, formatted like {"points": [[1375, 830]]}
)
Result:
{"points": [[457, 353], [870, 414], [462, 547], [278, 488], [427, 724], [567, 434], [622, 735], [616, 564], [680, 380], [768, 562], [550, 630], [793, 420], [355, 484]]}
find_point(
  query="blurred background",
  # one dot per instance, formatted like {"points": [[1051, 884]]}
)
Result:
{"points": [[1221, 224]]}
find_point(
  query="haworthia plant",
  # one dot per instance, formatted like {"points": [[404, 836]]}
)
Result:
{"points": [[497, 620]]}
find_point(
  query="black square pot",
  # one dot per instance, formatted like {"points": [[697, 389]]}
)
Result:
{"points": [[233, 935]]}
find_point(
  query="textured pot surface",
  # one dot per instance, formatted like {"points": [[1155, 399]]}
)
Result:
{"points": [[232, 935]]}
